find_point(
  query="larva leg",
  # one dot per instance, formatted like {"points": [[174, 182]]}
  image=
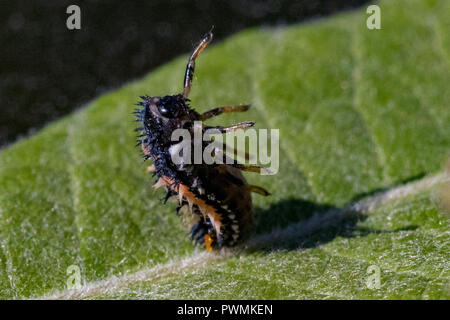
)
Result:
{"points": [[150, 168], [242, 125], [259, 190], [227, 109], [189, 75], [250, 168], [198, 231], [243, 167]]}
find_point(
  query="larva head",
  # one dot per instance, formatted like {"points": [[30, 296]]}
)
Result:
{"points": [[161, 115], [166, 108]]}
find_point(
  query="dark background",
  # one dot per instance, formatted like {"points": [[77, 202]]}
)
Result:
{"points": [[47, 70]]}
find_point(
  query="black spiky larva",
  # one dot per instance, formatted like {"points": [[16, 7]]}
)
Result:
{"points": [[217, 196]]}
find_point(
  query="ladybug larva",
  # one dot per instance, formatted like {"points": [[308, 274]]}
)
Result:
{"points": [[217, 196]]}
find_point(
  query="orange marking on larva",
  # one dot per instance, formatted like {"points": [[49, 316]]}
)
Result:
{"points": [[159, 184], [145, 149], [180, 196], [205, 208], [208, 242]]}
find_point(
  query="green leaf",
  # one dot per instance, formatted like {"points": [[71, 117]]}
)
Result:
{"points": [[363, 118]]}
